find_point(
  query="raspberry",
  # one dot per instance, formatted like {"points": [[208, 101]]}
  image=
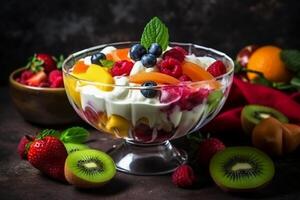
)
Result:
{"points": [[182, 50], [207, 149], [54, 75], [57, 83], [170, 66], [174, 53], [217, 68], [122, 67], [55, 79], [184, 176], [184, 78]]}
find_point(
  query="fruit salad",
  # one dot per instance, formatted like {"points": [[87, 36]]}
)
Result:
{"points": [[149, 91], [42, 70]]}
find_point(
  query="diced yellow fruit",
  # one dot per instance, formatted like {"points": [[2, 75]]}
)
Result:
{"points": [[70, 87], [97, 74], [118, 125]]}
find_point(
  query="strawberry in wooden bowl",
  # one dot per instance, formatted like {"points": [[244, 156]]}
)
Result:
{"points": [[38, 92]]}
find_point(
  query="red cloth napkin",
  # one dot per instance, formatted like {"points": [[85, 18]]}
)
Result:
{"points": [[243, 93]]}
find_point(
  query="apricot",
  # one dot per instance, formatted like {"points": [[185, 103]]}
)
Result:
{"points": [[153, 76], [195, 72]]}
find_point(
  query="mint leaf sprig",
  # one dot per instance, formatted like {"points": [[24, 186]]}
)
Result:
{"points": [[71, 135], [155, 31], [291, 59]]}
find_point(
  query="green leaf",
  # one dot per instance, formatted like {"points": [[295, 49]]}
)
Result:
{"points": [[74, 135], [291, 58], [238, 68], [48, 132], [262, 81], [296, 82], [155, 32], [59, 61], [107, 63]]}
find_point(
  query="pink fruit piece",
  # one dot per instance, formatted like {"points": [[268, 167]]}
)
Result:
{"points": [[122, 67], [217, 68], [143, 133], [192, 97], [53, 75], [91, 115], [58, 83], [174, 53], [170, 66], [170, 94], [184, 78], [184, 177], [23, 147]]}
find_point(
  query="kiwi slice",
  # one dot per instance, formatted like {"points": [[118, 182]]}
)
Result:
{"points": [[89, 168], [252, 114], [72, 147], [213, 100], [239, 169]]}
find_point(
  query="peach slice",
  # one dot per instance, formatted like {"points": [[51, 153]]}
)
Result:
{"points": [[153, 76], [119, 54], [195, 72]]}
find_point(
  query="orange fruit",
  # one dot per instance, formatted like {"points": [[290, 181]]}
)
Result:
{"points": [[195, 72], [153, 76], [267, 60]]}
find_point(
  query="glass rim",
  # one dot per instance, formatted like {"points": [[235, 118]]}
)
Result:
{"points": [[187, 83]]}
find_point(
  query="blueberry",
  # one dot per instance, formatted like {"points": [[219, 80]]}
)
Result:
{"points": [[137, 51], [95, 59], [155, 49], [149, 93], [148, 60]]}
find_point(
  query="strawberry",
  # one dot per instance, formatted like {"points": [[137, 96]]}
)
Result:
{"points": [[184, 176], [56, 79], [207, 149], [217, 68], [48, 154], [22, 146], [42, 61], [37, 79]]}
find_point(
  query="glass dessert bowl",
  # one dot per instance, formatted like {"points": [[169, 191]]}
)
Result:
{"points": [[145, 106]]}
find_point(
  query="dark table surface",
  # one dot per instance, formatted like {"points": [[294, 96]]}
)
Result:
{"points": [[18, 180]]}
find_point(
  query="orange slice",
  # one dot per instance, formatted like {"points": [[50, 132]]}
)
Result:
{"points": [[119, 54], [153, 76], [80, 67], [195, 72]]}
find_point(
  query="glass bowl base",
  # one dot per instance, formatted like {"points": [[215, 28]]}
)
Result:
{"points": [[147, 159]]}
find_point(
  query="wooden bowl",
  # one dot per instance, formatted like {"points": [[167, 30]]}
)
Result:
{"points": [[45, 106]]}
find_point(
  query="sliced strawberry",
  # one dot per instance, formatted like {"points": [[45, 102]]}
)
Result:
{"points": [[37, 79]]}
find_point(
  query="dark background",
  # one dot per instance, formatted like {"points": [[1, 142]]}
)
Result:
{"points": [[64, 26]]}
